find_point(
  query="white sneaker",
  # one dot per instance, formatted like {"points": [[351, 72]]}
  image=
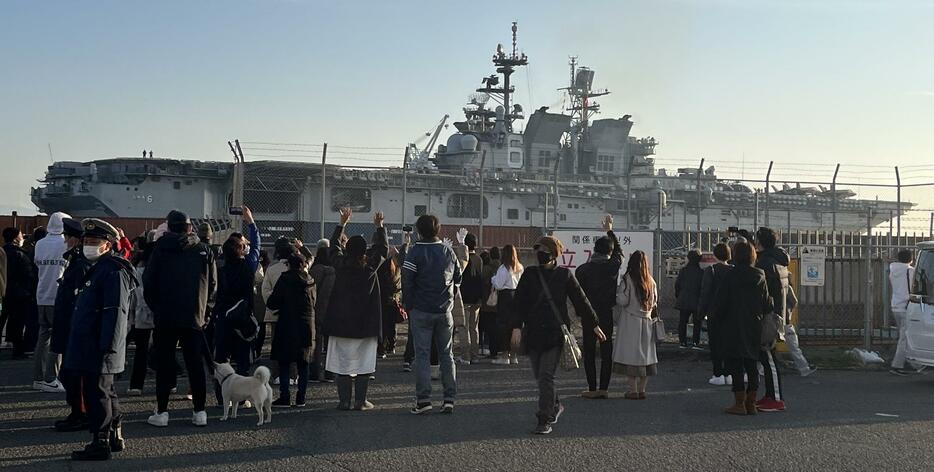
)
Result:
{"points": [[160, 420], [728, 379], [500, 361], [484, 351], [199, 418], [37, 385], [134, 392], [50, 387], [462, 361], [514, 359], [717, 380], [293, 381]]}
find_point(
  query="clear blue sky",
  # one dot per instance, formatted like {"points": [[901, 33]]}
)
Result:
{"points": [[814, 82]]}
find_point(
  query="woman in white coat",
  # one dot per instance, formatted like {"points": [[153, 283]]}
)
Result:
{"points": [[634, 351]]}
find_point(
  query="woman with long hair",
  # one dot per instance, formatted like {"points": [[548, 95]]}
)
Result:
{"points": [[141, 317], [505, 282], [323, 275], [743, 298], [634, 352], [293, 340]]}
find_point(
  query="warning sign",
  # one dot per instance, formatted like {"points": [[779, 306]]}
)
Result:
{"points": [[813, 265]]}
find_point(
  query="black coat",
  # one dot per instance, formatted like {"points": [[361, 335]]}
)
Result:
{"points": [[180, 279], [97, 339], [22, 277], [65, 297], [472, 280], [355, 308], [599, 279], [323, 275], [742, 300], [774, 262], [294, 299], [688, 287], [713, 279], [534, 313], [235, 282]]}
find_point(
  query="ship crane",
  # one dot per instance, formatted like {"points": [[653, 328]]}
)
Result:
{"points": [[421, 158]]}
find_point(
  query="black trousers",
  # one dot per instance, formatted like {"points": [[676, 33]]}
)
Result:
{"points": [[16, 311], [102, 404], [71, 380], [773, 379], [606, 353], [192, 342], [489, 331], [302, 366], [388, 343], [716, 356], [737, 367], [683, 326], [140, 358]]}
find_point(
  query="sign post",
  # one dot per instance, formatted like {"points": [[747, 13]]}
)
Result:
{"points": [[813, 266]]}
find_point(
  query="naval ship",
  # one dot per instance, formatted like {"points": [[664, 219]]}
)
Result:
{"points": [[563, 171]]}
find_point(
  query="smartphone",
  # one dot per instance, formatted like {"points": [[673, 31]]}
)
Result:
{"points": [[407, 229], [236, 210]]}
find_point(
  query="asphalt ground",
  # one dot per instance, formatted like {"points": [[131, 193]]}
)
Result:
{"points": [[836, 420]]}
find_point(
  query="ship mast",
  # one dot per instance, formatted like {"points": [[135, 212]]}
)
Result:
{"points": [[505, 65], [582, 107]]}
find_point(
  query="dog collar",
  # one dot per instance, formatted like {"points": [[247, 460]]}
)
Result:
{"points": [[227, 377]]}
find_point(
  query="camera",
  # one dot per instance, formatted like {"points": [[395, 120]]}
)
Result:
{"points": [[407, 229], [236, 210]]}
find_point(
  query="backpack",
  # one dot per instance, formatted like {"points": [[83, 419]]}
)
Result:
{"points": [[241, 319]]}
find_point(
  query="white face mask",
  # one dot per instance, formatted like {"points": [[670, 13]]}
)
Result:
{"points": [[92, 253]]}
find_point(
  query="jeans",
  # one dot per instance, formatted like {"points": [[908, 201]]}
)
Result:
{"points": [[409, 354], [302, 367], [737, 367], [544, 363], [773, 379], [140, 358], [470, 334], [101, 401], [791, 340], [45, 363], [901, 319], [683, 326], [437, 327], [606, 354], [192, 342]]}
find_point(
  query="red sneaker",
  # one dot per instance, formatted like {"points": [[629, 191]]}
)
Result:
{"points": [[770, 404]]}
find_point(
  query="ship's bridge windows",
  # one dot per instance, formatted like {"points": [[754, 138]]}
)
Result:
{"points": [[462, 205], [421, 210], [357, 199], [512, 214], [515, 159], [606, 163]]}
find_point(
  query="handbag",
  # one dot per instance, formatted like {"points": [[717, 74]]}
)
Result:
{"points": [[401, 316], [571, 353], [659, 324], [773, 329], [493, 299]]}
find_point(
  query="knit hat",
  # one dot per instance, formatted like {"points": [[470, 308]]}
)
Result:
{"points": [[550, 244], [356, 246]]}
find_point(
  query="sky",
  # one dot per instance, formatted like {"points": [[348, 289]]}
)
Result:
{"points": [[806, 84]]}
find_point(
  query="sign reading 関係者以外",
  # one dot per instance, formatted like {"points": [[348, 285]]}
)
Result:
{"points": [[578, 245], [813, 265]]}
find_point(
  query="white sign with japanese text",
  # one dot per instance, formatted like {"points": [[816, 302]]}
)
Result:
{"points": [[813, 265], [578, 245]]}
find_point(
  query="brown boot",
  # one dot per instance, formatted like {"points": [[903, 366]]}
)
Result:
{"points": [[750, 403], [739, 407]]}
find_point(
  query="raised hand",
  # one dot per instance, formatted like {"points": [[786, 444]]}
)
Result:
{"points": [[346, 213], [607, 222], [378, 219], [461, 235], [248, 215], [447, 242]]}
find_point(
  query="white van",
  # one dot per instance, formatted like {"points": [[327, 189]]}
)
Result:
{"points": [[920, 329]]}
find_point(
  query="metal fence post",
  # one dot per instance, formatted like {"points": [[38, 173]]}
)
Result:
{"points": [[867, 304]]}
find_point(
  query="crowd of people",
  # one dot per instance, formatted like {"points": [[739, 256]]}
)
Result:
{"points": [[330, 313]]}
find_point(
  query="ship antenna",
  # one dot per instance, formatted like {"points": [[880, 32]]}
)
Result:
{"points": [[515, 28]]}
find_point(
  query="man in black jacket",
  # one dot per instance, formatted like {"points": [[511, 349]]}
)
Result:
{"points": [[20, 300], [471, 291], [180, 278], [598, 277], [77, 266], [687, 294], [706, 307], [774, 262]]}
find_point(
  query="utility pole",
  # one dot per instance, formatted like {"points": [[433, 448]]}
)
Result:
{"points": [[324, 180], [632, 159], [768, 177], [867, 292], [556, 199], [700, 171], [480, 231], [898, 221], [833, 190], [405, 187]]}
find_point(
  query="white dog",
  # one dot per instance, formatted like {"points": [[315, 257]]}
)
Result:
{"points": [[236, 388]]}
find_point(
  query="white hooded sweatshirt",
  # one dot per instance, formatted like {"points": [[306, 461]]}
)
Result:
{"points": [[50, 261], [900, 275]]}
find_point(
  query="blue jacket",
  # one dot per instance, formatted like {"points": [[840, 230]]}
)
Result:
{"points": [[429, 274], [65, 297], [97, 341]]}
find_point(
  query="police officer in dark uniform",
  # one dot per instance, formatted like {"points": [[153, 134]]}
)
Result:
{"points": [[97, 341], [77, 266]]}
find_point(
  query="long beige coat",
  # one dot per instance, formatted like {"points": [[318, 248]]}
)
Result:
{"points": [[635, 342]]}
